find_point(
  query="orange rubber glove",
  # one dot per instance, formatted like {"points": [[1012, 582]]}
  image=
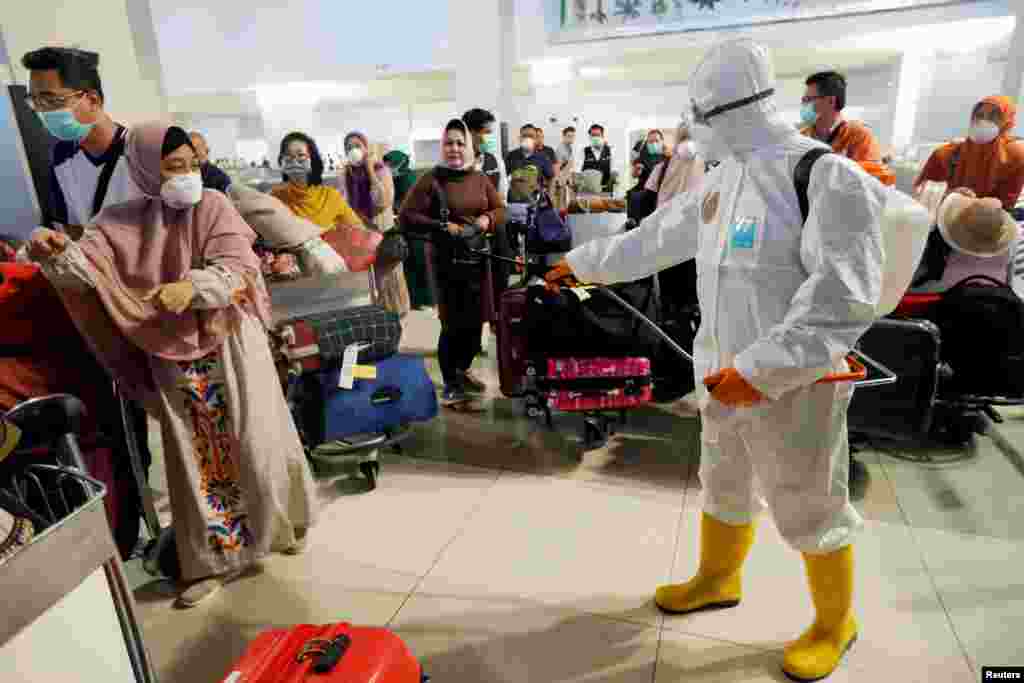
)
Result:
{"points": [[729, 387], [560, 274]]}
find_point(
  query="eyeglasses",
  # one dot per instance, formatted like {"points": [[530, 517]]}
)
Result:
{"points": [[49, 101]]}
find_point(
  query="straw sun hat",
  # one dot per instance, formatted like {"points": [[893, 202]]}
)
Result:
{"points": [[976, 227]]}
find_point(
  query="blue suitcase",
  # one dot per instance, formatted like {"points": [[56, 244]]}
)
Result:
{"points": [[403, 393]]}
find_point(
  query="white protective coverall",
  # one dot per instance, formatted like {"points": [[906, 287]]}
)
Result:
{"points": [[781, 301]]}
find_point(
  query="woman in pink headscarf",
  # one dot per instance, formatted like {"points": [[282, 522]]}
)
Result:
{"points": [[168, 292]]}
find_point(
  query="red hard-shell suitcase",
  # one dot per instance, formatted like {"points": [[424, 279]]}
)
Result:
{"points": [[904, 410], [584, 384], [336, 652], [512, 342]]}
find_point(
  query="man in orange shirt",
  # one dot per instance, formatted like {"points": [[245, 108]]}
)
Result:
{"points": [[822, 117], [821, 114]]}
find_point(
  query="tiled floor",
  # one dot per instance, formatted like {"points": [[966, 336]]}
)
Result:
{"points": [[499, 557]]}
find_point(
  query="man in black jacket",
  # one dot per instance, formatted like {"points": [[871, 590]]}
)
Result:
{"points": [[598, 156], [213, 177]]}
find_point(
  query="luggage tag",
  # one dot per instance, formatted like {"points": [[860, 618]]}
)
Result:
{"points": [[347, 378], [581, 293]]}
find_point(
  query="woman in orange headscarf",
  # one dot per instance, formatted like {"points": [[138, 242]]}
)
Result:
{"points": [[990, 162]]}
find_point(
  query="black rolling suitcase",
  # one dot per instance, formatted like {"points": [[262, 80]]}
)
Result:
{"points": [[904, 410]]}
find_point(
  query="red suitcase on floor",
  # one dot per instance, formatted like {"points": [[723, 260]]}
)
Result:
{"points": [[584, 384], [512, 342], [337, 652]]}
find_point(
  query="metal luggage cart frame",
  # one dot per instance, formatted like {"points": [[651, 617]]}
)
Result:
{"points": [[85, 527]]}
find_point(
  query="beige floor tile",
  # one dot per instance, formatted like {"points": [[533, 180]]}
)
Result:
{"points": [[200, 644], [978, 492], [653, 450], [875, 498], [416, 510], [590, 547], [515, 640], [902, 622], [683, 657], [980, 583]]}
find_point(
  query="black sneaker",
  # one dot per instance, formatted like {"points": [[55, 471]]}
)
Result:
{"points": [[472, 384], [453, 394]]}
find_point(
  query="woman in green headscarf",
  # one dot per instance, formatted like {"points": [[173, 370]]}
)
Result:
{"points": [[401, 173], [416, 275]]}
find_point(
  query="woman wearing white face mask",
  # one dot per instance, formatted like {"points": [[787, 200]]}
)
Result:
{"points": [[366, 184], [168, 292], [989, 162], [681, 172]]}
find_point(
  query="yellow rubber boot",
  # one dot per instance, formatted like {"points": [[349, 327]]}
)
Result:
{"points": [[723, 549], [817, 653]]}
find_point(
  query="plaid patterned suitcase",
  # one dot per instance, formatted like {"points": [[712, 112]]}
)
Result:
{"points": [[584, 384], [319, 341]]}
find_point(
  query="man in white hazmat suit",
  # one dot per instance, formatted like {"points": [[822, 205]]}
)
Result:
{"points": [[782, 303]]}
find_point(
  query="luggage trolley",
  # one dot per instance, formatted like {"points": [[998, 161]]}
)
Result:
{"points": [[927, 406], [65, 506], [295, 299]]}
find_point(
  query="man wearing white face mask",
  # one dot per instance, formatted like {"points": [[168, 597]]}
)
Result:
{"points": [[782, 302], [528, 168], [990, 162]]}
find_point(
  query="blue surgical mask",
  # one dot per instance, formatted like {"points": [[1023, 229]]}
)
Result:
{"points": [[63, 125], [654, 148], [489, 144], [807, 114]]}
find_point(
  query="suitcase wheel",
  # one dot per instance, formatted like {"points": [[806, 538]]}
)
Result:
{"points": [[370, 470], [595, 433]]}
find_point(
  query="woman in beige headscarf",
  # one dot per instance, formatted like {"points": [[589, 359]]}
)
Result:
{"points": [[168, 292], [463, 299], [682, 172]]}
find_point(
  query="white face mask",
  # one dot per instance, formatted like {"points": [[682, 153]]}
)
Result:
{"points": [[686, 150], [356, 155], [984, 132], [528, 145], [182, 191]]}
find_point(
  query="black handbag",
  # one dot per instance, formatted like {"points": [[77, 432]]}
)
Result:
{"points": [[392, 250]]}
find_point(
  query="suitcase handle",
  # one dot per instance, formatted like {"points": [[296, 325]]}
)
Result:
{"points": [[386, 395], [327, 652]]}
